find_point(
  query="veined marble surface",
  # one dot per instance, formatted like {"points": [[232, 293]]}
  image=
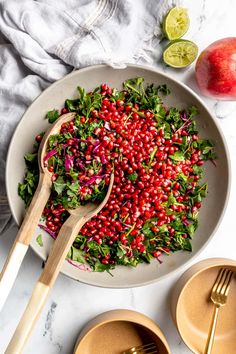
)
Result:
{"points": [[71, 304]]}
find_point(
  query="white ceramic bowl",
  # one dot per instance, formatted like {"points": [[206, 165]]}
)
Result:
{"points": [[218, 177]]}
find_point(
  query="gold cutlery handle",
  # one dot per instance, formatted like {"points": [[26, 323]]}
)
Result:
{"points": [[211, 334]]}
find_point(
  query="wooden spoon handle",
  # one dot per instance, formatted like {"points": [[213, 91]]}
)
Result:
{"points": [[29, 318], [11, 269], [23, 237], [46, 281]]}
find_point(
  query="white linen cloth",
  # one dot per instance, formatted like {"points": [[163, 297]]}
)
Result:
{"points": [[44, 40]]}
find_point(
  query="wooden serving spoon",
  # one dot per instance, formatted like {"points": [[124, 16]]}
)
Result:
{"points": [[78, 217], [32, 216]]}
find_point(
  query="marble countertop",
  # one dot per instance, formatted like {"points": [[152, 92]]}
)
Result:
{"points": [[71, 304]]}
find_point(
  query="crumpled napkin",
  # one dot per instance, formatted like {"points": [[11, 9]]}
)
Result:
{"points": [[44, 40]]}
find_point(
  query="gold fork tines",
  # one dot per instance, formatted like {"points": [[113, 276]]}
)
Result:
{"points": [[219, 295], [149, 348]]}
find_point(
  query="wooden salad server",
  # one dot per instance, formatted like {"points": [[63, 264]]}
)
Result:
{"points": [[78, 217], [32, 216]]}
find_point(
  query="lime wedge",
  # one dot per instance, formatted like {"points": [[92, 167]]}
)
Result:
{"points": [[176, 23], [180, 53]]}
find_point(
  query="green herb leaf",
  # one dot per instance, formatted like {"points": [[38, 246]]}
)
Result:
{"points": [[29, 185], [192, 112], [72, 105], [163, 89], [171, 199], [99, 267], [39, 240], [59, 185], [52, 116], [186, 245], [134, 84], [191, 228], [197, 170], [30, 157], [177, 156], [152, 156], [133, 176], [76, 255]]}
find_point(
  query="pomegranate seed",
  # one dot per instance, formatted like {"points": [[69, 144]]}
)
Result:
{"points": [[38, 138]]}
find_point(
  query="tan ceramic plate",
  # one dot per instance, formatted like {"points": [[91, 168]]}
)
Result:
{"points": [[181, 96], [115, 331], [192, 310]]}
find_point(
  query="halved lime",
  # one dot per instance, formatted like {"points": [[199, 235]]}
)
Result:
{"points": [[176, 23], [180, 53]]}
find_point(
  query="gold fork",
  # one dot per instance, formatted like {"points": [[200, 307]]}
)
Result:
{"points": [[219, 295], [149, 348]]}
